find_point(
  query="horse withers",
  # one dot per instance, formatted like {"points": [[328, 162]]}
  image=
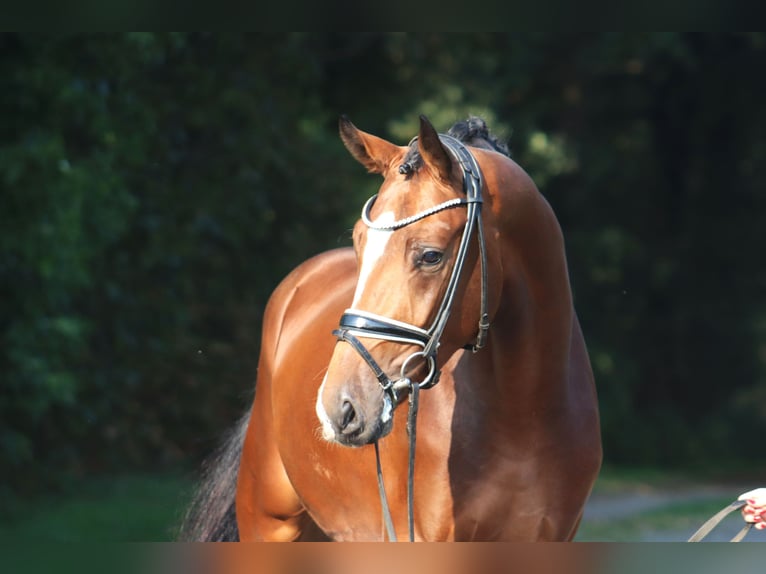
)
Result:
{"points": [[456, 295]]}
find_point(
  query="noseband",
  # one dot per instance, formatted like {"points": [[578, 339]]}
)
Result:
{"points": [[356, 325]]}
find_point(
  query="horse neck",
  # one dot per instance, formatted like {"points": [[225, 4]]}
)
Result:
{"points": [[532, 328]]}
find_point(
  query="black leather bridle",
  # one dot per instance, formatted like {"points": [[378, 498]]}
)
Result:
{"points": [[356, 325]]}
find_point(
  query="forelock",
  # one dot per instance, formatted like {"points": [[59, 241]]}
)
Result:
{"points": [[472, 131]]}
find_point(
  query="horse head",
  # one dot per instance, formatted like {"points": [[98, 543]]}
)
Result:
{"points": [[422, 284]]}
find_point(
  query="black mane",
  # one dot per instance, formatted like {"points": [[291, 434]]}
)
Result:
{"points": [[473, 131]]}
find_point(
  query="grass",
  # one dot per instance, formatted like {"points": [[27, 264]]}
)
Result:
{"points": [[147, 508], [133, 508], [671, 522], [676, 504]]}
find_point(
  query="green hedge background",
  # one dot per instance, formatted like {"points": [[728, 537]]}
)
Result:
{"points": [[154, 189]]}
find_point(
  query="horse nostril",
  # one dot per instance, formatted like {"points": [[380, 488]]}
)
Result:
{"points": [[348, 414]]}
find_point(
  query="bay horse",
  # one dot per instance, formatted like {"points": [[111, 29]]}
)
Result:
{"points": [[457, 288]]}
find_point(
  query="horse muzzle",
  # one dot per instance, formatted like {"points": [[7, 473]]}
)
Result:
{"points": [[351, 421]]}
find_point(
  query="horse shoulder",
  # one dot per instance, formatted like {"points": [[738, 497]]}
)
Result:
{"points": [[313, 284], [268, 508]]}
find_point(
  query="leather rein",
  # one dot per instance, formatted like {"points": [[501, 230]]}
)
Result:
{"points": [[356, 325], [717, 518]]}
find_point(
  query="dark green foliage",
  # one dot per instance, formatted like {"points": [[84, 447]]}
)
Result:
{"points": [[154, 188]]}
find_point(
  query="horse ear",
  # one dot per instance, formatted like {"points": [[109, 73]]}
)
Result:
{"points": [[372, 152], [435, 156]]}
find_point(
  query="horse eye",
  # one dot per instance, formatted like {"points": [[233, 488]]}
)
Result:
{"points": [[431, 257]]}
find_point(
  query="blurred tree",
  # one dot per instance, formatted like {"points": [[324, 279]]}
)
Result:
{"points": [[156, 187]]}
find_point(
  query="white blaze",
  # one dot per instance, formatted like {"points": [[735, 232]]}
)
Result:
{"points": [[373, 251], [328, 433]]}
